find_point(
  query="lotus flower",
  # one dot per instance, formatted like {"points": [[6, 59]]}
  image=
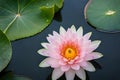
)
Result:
{"points": [[69, 52]]}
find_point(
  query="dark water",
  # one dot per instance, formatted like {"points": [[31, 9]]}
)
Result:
{"points": [[25, 59]]}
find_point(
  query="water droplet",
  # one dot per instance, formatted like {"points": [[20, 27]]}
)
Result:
{"points": [[47, 20]]}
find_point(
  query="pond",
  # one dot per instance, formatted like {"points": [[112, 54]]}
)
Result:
{"points": [[25, 59]]}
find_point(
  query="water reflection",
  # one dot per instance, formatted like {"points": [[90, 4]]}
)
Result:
{"points": [[58, 16], [96, 64]]}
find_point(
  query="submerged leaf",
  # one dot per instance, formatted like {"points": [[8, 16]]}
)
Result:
{"points": [[24, 18], [11, 76], [5, 51], [21, 78]]}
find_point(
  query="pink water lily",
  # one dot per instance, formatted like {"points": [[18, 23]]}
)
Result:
{"points": [[69, 52]]}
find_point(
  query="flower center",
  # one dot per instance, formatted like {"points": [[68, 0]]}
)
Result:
{"points": [[70, 53], [70, 50]]}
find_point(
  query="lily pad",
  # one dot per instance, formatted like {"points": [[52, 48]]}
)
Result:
{"points": [[103, 14], [24, 18], [5, 51]]}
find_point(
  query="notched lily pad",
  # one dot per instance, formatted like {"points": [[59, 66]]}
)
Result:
{"points": [[103, 14], [24, 18], [5, 51]]}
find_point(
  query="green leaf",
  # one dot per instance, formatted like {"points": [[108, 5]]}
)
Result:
{"points": [[24, 18], [5, 51], [48, 3], [11, 76], [103, 14]]}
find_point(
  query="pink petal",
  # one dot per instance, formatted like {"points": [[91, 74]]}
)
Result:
{"points": [[93, 55], [70, 74], [65, 68], [55, 34], [73, 29], [61, 62], [88, 66], [51, 39], [64, 59], [44, 63], [75, 66], [57, 73], [80, 32], [68, 35], [81, 74], [51, 62], [95, 44], [41, 52], [71, 62], [52, 52], [44, 45], [87, 36], [62, 30]]}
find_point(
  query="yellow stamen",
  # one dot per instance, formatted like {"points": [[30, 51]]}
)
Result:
{"points": [[70, 53]]}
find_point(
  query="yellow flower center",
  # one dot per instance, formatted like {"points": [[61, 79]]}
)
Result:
{"points": [[70, 53]]}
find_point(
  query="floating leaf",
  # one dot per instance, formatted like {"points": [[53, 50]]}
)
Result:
{"points": [[48, 3], [24, 18], [103, 14], [5, 51]]}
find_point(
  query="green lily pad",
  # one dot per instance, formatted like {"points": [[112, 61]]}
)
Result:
{"points": [[103, 14], [11, 76], [24, 18], [5, 51]]}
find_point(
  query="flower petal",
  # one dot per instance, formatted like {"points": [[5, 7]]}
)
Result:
{"points": [[87, 36], [70, 74], [55, 34], [57, 73], [44, 63], [53, 53], [75, 66], [41, 52], [65, 68], [88, 66], [61, 62], [81, 74], [62, 30], [44, 45], [93, 55], [50, 39], [80, 32], [95, 44], [51, 62], [73, 28]]}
